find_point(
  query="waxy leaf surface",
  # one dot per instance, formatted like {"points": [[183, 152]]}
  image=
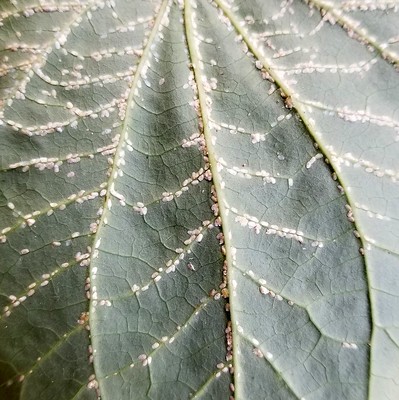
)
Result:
{"points": [[199, 199]]}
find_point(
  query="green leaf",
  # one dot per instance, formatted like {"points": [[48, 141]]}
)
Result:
{"points": [[199, 200]]}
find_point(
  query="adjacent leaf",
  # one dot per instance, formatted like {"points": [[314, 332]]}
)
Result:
{"points": [[171, 227]]}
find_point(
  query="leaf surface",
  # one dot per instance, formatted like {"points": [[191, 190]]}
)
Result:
{"points": [[175, 226]]}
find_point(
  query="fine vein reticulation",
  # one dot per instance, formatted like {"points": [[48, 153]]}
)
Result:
{"points": [[198, 199]]}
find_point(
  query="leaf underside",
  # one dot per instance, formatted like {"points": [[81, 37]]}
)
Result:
{"points": [[199, 199]]}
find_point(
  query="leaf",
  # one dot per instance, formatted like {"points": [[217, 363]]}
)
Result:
{"points": [[198, 200]]}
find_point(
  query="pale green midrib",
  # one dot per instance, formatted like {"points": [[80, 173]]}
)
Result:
{"points": [[343, 20], [297, 106], [212, 163], [129, 102], [41, 57]]}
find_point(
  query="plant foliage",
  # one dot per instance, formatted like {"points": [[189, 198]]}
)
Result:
{"points": [[199, 199]]}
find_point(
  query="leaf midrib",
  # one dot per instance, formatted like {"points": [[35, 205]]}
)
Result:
{"points": [[130, 102], [298, 107], [212, 162]]}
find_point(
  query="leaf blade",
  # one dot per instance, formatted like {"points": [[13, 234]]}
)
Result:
{"points": [[145, 110]]}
